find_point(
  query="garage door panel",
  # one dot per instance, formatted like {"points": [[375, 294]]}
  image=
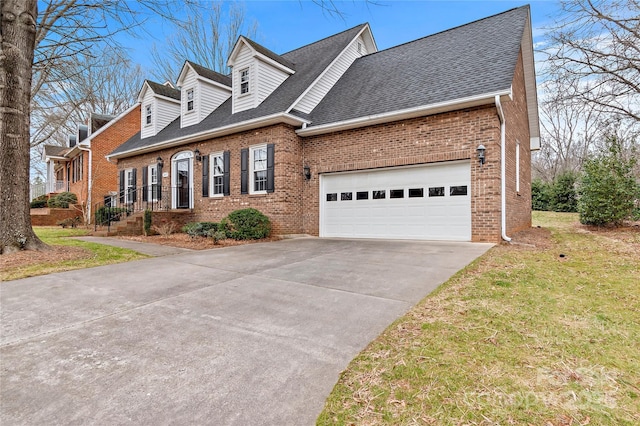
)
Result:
{"points": [[446, 217]]}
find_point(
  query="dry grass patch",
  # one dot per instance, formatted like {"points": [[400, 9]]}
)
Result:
{"points": [[543, 332]]}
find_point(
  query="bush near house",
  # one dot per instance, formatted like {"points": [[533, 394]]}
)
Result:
{"points": [[62, 200], [557, 196], [199, 229], [39, 202], [247, 224], [608, 189]]}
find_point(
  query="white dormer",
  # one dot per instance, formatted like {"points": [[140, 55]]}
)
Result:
{"points": [[363, 44], [160, 105], [256, 73], [202, 91]]}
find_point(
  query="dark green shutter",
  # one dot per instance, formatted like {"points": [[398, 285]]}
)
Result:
{"points": [[145, 177], [270, 176], [226, 181], [244, 171], [121, 186], [159, 187], [134, 193], [205, 176]]}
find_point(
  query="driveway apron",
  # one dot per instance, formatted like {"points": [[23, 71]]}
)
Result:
{"points": [[245, 335]]}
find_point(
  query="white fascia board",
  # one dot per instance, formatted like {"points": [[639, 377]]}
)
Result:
{"points": [[183, 72], [214, 83], [216, 133], [326, 70], [273, 63], [109, 124], [437, 108], [166, 98], [234, 52], [55, 157], [526, 47]]}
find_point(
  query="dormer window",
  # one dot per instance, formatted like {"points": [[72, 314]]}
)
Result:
{"points": [[189, 100], [147, 114], [244, 81]]}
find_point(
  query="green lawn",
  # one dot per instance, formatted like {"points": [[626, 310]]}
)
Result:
{"points": [[521, 336], [94, 255]]}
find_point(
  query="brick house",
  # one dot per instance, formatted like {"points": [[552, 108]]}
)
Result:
{"points": [[431, 139], [82, 167]]}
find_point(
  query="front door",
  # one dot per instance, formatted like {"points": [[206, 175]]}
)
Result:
{"points": [[182, 183]]}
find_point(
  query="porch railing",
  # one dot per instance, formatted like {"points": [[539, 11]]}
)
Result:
{"points": [[116, 207]]}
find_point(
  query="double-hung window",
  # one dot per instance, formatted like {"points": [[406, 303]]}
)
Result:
{"points": [[130, 184], [217, 175], [189, 100], [258, 164], [244, 81], [153, 183], [147, 115]]}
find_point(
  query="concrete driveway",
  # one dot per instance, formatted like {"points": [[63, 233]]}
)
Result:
{"points": [[246, 335]]}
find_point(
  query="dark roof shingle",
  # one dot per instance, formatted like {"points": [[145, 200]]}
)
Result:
{"points": [[162, 90], [210, 74]]}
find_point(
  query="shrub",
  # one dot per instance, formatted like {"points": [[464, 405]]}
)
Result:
{"points": [[608, 189], [563, 193], [540, 195], [147, 222], [62, 200], [165, 229], [217, 235], [106, 215], [199, 229], [247, 224], [39, 202], [71, 222]]}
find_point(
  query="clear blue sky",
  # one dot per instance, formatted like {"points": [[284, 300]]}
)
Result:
{"points": [[288, 24]]}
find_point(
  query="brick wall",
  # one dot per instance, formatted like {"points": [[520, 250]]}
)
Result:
{"points": [[437, 138], [283, 207], [517, 133], [104, 173]]}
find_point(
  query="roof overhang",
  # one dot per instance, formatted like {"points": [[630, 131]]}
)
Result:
{"points": [[526, 46], [242, 41], [421, 111], [256, 123]]}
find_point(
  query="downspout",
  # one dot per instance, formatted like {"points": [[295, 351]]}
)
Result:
{"points": [[503, 170]]}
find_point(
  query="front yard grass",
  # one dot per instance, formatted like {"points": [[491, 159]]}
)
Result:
{"points": [[66, 254], [524, 335]]}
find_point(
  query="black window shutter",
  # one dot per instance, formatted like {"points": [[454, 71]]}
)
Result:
{"points": [[121, 186], [133, 188], [226, 181], [145, 190], [205, 176], [270, 177], [159, 188], [244, 171]]}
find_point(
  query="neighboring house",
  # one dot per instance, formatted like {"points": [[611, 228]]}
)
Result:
{"points": [[337, 139], [82, 167]]}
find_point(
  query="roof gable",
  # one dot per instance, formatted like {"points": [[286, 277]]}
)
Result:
{"points": [[205, 73], [262, 53], [159, 89]]}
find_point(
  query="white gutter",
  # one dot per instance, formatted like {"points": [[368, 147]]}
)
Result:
{"points": [[503, 170], [421, 111], [216, 133]]}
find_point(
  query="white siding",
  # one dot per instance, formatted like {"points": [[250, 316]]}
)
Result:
{"points": [[319, 90], [269, 78], [190, 82], [210, 97], [165, 113], [243, 61], [148, 130]]}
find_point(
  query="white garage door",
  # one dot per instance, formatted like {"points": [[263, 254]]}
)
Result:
{"points": [[427, 202]]}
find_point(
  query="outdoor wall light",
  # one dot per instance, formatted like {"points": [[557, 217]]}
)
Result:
{"points": [[481, 149], [307, 172], [159, 162], [197, 154]]}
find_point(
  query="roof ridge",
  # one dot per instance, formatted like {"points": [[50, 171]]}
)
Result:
{"points": [[526, 6], [325, 38]]}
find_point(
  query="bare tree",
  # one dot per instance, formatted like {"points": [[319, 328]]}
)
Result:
{"points": [[598, 42], [17, 34], [206, 37]]}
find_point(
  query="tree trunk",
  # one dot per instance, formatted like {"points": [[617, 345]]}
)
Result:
{"points": [[17, 38]]}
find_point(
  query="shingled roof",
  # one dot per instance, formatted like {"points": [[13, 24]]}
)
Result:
{"points": [[310, 61], [269, 54], [210, 74], [162, 90], [473, 59]]}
